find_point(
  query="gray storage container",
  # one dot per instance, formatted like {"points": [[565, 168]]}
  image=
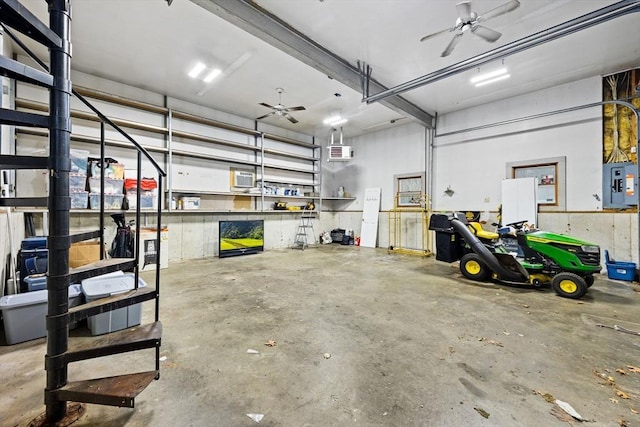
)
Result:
{"points": [[25, 314], [105, 286]]}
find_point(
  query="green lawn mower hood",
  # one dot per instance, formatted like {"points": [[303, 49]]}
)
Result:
{"points": [[569, 253]]}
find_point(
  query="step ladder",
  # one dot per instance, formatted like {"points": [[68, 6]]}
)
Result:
{"points": [[305, 230], [63, 350]]}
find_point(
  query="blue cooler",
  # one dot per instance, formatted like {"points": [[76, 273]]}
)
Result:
{"points": [[33, 258]]}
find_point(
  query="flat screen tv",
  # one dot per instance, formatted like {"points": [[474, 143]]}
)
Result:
{"points": [[240, 237]]}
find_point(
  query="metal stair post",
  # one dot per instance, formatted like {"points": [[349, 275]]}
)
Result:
{"points": [[59, 202]]}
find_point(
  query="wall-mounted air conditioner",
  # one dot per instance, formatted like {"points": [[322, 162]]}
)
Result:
{"points": [[244, 179], [339, 152]]}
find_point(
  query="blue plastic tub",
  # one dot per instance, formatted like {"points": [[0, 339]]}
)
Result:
{"points": [[36, 282], [620, 270]]}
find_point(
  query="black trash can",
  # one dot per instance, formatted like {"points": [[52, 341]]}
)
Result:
{"points": [[448, 242], [448, 246]]}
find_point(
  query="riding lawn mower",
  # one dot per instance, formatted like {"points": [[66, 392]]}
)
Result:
{"points": [[515, 254]]}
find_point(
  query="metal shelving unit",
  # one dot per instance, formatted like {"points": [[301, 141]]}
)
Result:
{"points": [[267, 161]]}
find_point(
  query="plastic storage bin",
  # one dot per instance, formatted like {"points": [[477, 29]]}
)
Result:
{"points": [[111, 168], [24, 315], [111, 201], [36, 282], [79, 199], [77, 182], [79, 161], [620, 270], [107, 285], [111, 185]]}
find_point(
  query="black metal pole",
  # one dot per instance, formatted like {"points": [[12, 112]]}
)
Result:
{"points": [[59, 204], [102, 171]]}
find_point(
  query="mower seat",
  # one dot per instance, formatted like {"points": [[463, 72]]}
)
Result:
{"points": [[477, 229]]}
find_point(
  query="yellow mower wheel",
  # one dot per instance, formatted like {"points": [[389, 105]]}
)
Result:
{"points": [[472, 267], [569, 285]]}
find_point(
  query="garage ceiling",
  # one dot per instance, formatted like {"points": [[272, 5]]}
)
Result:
{"points": [[153, 45]]}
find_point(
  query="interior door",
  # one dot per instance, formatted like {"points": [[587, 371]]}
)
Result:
{"points": [[370, 210]]}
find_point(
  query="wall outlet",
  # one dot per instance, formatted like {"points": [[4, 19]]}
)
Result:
{"points": [[487, 199]]}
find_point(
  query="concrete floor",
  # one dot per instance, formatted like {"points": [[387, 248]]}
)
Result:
{"points": [[411, 343]]}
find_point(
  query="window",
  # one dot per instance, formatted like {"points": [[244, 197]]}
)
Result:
{"points": [[551, 173], [410, 190]]}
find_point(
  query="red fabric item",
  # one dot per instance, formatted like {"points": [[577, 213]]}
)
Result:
{"points": [[145, 184]]}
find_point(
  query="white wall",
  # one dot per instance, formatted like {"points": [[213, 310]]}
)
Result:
{"points": [[377, 158], [473, 162]]}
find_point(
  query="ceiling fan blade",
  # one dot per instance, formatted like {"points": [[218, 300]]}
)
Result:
{"points": [[266, 115], [452, 44], [298, 108], [500, 10], [265, 105], [464, 10], [437, 33], [486, 33], [290, 118]]}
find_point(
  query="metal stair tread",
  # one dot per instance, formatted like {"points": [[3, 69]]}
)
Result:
{"points": [[130, 339], [19, 71], [86, 235], [100, 267], [40, 202], [22, 118], [111, 303], [8, 161], [119, 390], [17, 16]]}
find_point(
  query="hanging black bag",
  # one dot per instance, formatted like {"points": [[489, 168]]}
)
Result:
{"points": [[122, 246]]}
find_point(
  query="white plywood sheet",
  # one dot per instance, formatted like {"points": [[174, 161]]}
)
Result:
{"points": [[370, 211], [519, 202]]}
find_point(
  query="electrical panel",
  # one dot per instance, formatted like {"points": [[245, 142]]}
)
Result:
{"points": [[619, 185]]}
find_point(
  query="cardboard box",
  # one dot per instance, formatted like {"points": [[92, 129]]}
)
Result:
{"points": [[83, 253]]}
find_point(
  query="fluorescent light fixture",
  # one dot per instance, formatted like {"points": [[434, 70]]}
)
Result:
{"points": [[338, 122], [495, 79], [212, 75], [489, 75], [330, 120], [195, 71]]}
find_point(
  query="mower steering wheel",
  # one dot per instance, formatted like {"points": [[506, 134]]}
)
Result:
{"points": [[517, 225]]}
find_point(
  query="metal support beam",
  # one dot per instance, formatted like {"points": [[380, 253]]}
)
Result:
{"points": [[250, 17], [585, 21]]}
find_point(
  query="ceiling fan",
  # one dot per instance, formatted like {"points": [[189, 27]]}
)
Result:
{"points": [[281, 110], [470, 21]]}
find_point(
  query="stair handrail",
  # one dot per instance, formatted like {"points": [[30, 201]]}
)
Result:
{"points": [[86, 102]]}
